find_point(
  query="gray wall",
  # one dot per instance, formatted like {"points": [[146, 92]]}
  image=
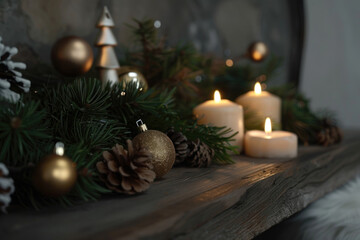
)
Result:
{"points": [[331, 68], [221, 27]]}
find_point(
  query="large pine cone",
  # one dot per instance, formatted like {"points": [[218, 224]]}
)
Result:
{"points": [[329, 134], [181, 145], [6, 187], [200, 155], [126, 171]]}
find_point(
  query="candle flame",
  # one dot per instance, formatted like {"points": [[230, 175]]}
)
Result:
{"points": [[257, 88], [268, 128], [217, 97]]}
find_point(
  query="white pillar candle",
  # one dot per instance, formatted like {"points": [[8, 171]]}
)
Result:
{"points": [[222, 112], [261, 103], [270, 144]]}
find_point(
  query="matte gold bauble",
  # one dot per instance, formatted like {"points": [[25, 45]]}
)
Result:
{"points": [[160, 145], [129, 74], [54, 175], [72, 56], [257, 51]]}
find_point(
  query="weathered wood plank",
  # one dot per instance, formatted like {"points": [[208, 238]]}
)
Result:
{"points": [[268, 202], [236, 201]]}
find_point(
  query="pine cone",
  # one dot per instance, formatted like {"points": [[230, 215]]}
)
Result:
{"points": [[329, 134], [10, 77], [200, 155], [181, 145], [6, 187], [126, 171]]}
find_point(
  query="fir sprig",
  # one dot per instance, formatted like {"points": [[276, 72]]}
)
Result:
{"points": [[297, 116], [167, 67], [23, 128]]}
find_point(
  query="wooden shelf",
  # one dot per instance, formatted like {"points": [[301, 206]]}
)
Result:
{"points": [[236, 201]]}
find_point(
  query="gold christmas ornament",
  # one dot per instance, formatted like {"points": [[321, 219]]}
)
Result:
{"points": [[129, 74], [55, 174], [159, 145], [72, 56], [257, 51]]}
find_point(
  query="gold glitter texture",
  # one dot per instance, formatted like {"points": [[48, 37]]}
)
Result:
{"points": [[160, 146]]}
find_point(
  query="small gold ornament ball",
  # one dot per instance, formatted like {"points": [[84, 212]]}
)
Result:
{"points": [[160, 146], [72, 56], [258, 51], [54, 175], [129, 74]]}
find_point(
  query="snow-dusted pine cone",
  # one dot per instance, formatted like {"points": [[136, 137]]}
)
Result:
{"points": [[9, 77], [6, 187], [126, 171], [200, 155], [181, 145], [329, 134]]}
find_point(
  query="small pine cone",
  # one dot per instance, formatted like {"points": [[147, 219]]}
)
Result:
{"points": [[126, 171], [181, 145], [329, 134], [6, 187], [200, 155]]}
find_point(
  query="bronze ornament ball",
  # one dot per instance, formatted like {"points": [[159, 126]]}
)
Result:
{"points": [[257, 51], [54, 175], [129, 74], [72, 56], [162, 148]]}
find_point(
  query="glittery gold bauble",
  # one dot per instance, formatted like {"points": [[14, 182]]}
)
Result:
{"points": [[257, 51], [54, 175], [72, 56], [160, 146], [129, 74]]}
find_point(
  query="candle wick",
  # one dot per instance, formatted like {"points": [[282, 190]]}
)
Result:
{"points": [[268, 135]]}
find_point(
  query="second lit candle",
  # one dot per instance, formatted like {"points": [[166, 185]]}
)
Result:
{"points": [[222, 112]]}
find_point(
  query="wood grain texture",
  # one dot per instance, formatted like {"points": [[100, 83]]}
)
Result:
{"points": [[236, 201]]}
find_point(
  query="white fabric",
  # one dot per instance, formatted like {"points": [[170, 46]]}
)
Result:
{"points": [[334, 217]]}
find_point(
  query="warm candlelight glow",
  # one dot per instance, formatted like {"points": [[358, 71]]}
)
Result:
{"points": [[229, 62], [217, 97], [268, 128], [257, 56], [257, 88]]}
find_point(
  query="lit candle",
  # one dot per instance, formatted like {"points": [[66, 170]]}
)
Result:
{"points": [[262, 104], [270, 144], [222, 112]]}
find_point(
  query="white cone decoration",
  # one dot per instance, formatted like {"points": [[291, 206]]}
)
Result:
{"points": [[107, 61], [9, 76], [106, 37], [105, 19], [107, 58]]}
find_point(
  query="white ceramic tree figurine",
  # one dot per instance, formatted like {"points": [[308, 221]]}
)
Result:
{"points": [[107, 61]]}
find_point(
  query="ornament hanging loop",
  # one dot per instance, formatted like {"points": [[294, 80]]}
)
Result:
{"points": [[142, 127], [59, 148]]}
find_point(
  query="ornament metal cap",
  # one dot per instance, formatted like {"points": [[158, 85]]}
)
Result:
{"points": [[142, 126], [59, 148]]}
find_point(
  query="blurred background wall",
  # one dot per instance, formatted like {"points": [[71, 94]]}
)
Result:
{"points": [[331, 67], [223, 28]]}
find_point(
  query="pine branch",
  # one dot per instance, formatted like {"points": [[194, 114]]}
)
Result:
{"points": [[23, 128], [296, 114], [166, 67]]}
